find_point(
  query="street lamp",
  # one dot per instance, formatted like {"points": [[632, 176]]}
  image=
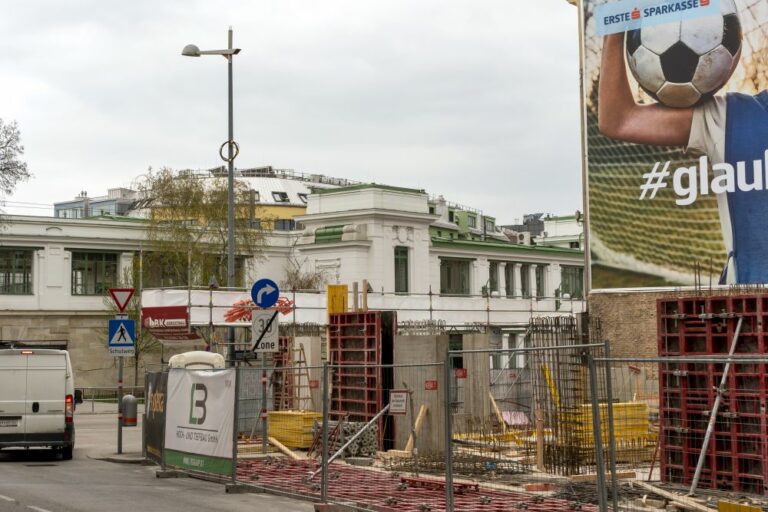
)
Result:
{"points": [[232, 150]]}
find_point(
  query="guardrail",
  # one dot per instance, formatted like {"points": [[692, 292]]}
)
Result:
{"points": [[108, 395]]}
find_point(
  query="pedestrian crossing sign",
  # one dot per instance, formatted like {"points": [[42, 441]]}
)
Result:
{"points": [[122, 336]]}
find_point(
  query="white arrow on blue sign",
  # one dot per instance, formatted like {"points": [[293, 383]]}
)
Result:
{"points": [[265, 293]]}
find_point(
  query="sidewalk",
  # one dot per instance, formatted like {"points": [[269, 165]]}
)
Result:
{"points": [[96, 433]]}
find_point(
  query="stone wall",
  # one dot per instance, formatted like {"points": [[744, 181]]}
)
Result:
{"points": [[471, 393], [86, 338], [421, 350]]}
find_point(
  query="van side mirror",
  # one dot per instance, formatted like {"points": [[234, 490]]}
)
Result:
{"points": [[78, 396]]}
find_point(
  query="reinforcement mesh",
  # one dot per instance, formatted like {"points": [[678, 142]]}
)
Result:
{"points": [[656, 236]]}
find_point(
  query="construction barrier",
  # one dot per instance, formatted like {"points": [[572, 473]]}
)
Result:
{"points": [[553, 424]]}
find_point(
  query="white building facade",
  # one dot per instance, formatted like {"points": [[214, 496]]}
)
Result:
{"points": [[421, 258]]}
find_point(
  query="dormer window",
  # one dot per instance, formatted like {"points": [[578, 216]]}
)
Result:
{"points": [[280, 197]]}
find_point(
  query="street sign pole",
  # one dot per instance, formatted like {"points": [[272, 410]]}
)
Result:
{"points": [[119, 405], [263, 402], [264, 440], [121, 296], [264, 294]]}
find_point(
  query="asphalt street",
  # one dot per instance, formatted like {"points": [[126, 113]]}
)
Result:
{"points": [[37, 480]]}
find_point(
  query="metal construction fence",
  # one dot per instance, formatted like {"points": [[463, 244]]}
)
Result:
{"points": [[540, 428]]}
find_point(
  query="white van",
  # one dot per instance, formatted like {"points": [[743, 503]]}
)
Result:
{"points": [[37, 399]]}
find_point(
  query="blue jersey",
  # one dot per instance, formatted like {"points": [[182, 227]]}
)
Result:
{"points": [[746, 140]]}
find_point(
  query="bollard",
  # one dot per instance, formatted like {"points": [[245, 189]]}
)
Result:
{"points": [[130, 406]]}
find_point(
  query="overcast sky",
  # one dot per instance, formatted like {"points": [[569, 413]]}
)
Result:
{"points": [[475, 100]]}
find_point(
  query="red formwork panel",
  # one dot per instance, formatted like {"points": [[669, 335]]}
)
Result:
{"points": [[737, 455], [283, 383], [359, 343]]}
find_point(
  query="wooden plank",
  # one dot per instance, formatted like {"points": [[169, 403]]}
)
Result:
{"points": [[280, 446], [417, 427], [499, 416], [681, 501], [592, 478]]}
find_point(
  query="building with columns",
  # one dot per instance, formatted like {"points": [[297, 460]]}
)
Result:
{"points": [[403, 242], [423, 257]]}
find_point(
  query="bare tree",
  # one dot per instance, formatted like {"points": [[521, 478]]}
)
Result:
{"points": [[12, 168], [187, 228], [297, 277]]}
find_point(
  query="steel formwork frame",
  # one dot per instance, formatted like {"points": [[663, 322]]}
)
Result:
{"points": [[358, 355], [737, 455]]}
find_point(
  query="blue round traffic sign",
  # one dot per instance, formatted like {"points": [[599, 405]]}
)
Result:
{"points": [[265, 293]]}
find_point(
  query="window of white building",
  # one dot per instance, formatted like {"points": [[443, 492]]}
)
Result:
{"points": [[401, 270], [454, 276], [509, 279], [525, 280], [541, 280], [93, 273], [572, 282], [16, 271], [285, 225], [493, 277]]}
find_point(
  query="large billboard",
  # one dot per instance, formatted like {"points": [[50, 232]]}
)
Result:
{"points": [[676, 137]]}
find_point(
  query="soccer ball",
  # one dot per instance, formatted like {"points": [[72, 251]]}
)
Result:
{"points": [[684, 63]]}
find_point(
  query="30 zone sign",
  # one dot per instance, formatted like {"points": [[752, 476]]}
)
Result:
{"points": [[264, 336]]}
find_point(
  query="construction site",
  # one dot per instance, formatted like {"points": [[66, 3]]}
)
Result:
{"points": [[375, 415]]}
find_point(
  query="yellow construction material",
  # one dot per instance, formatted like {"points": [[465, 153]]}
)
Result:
{"points": [[725, 506], [630, 420], [634, 439], [551, 384], [292, 428], [519, 438]]}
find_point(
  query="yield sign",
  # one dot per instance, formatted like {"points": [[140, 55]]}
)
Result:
{"points": [[121, 296]]}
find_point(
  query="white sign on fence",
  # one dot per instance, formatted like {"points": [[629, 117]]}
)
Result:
{"points": [[199, 420], [398, 402]]}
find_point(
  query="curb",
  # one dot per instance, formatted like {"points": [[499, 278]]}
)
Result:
{"points": [[121, 459]]}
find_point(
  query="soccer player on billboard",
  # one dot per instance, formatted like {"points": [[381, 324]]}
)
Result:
{"points": [[731, 129]]}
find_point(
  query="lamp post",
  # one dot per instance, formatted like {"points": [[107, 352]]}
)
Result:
{"points": [[232, 150]]}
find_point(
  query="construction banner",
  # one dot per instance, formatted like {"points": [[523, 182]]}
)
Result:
{"points": [[676, 141], [154, 419], [169, 324], [200, 419]]}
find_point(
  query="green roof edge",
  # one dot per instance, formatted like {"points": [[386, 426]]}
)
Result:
{"points": [[364, 186], [508, 247]]}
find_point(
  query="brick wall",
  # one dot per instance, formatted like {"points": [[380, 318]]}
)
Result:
{"points": [[628, 321]]}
